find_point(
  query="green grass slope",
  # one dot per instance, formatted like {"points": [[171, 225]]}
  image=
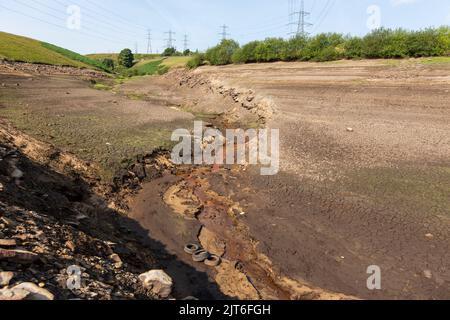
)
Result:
{"points": [[22, 49]]}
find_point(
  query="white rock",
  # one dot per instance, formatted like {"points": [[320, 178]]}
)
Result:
{"points": [[35, 293], [5, 278], [13, 295], [159, 282], [17, 174], [428, 274]]}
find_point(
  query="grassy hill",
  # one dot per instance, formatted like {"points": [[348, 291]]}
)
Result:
{"points": [[22, 49]]}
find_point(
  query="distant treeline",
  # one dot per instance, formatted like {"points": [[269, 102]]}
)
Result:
{"points": [[380, 43]]}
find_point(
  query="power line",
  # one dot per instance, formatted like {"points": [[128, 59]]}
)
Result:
{"points": [[185, 42], [92, 19], [126, 21], [170, 39], [224, 32], [56, 25], [324, 14], [301, 22], [149, 41]]}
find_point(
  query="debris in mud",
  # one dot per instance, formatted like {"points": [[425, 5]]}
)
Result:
{"points": [[65, 225], [158, 282]]}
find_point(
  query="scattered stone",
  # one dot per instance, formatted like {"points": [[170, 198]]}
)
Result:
{"points": [[5, 278], [13, 295], [428, 274], [17, 174], [350, 130], [158, 282], [429, 236], [2, 188], [116, 259], [71, 246], [18, 256], [35, 292], [8, 243]]}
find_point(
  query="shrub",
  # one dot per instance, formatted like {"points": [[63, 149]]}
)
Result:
{"points": [[222, 53], [169, 52], [246, 54], [196, 61], [354, 48], [270, 50], [126, 58], [293, 50], [108, 63], [427, 43], [386, 43], [324, 47]]}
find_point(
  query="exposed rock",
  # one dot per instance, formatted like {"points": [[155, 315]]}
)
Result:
{"points": [[35, 292], [18, 256], [13, 295], [5, 278], [158, 282], [8, 243], [116, 259]]}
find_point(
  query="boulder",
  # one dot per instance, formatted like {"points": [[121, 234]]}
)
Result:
{"points": [[13, 295], [18, 256], [158, 282], [34, 292], [5, 278]]}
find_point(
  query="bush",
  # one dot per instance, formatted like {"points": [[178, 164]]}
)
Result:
{"points": [[324, 47], [126, 58], [169, 52], [426, 43], [354, 48], [293, 50], [386, 43], [380, 43], [108, 63], [222, 54], [196, 61], [270, 50], [246, 54]]}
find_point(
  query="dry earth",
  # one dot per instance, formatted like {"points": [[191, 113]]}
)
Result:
{"points": [[377, 194]]}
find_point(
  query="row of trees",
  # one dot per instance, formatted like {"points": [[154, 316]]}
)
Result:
{"points": [[380, 43]]}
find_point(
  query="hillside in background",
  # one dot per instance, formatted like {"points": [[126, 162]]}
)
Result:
{"points": [[22, 49]]}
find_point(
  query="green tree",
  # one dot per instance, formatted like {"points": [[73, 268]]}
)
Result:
{"points": [[169, 52], [246, 54], [222, 53], [108, 63], [270, 50], [294, 48], [126, 58]]}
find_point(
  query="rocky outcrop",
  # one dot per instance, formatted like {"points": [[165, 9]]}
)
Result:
{"points": [[45, 69], [59, 238], [247, 100]]}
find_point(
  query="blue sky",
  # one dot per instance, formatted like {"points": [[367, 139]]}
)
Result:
{"points": [[110, 25]]}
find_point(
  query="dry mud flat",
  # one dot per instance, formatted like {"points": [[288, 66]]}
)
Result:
{"points": [[344, 199], [365, 176]]}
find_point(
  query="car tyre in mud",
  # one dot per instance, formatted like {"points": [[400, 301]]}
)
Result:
{"points": [[191, 248], [213, 261], [200, 256]]}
